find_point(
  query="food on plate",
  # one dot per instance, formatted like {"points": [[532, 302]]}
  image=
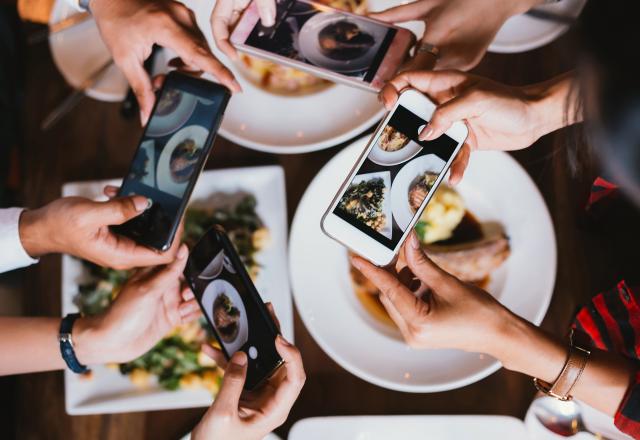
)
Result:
{"points": [[344, 40], [184, 159], [169, 102], [420, 189], [177, 361], [364, 201], [452, 237], [392, 140], [226, 318]]}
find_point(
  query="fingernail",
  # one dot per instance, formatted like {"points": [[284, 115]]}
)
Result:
{"points": [[283, 341], [236, 86], [267, 18], [143, 119], [413, 241], [356, 262], [239, 358], [182, 251], [426, 133], [141, 203]]}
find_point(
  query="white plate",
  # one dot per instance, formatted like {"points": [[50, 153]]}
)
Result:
{"points": [[495, 188], [293, 124], [79, 51], [408, 174], [213, 290], [390, 158], [523, 32], [386, 203], [409, 428], [594, 420], [165, 181], [165, 124], [110, 392]]}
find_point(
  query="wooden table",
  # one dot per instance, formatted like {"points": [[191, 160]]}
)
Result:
{"points": [[94, 142]]}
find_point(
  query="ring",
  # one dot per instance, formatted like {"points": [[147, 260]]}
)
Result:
{"points": [[429, 48]]}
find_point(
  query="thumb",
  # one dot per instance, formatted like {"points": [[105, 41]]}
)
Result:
{"points": [[141, 86], [232, 384], [422, 266], [267, 11], [120, 210], [456, 109]]}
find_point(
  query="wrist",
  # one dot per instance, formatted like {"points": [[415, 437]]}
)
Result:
{"points": [[86, 341], [33, 233]]}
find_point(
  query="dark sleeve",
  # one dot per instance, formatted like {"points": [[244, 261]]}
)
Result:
{"points": [[612, 321]]}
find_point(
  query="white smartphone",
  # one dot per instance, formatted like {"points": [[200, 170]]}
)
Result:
{"points": [[392, 182], [326, 42]]}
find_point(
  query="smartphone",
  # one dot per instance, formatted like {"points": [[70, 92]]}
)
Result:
{"points": [[232, 306], [174, 147], [392, 182], [327, 42]]}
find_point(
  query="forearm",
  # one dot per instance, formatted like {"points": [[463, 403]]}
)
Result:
{"points": [[554, 103], [527, 349], [31, 345]]}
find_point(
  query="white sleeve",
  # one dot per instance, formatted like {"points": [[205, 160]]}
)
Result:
{"points": [[12, 254]]}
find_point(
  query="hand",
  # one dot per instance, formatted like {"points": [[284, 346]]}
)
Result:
{"points": [[498, 117], [252, 415], [461, 29], [80, 227], [149, 305], [443, 312], [226, 13], [130, 28]]}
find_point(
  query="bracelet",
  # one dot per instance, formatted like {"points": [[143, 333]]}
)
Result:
{"points": [[66, 344], [577, 358]]}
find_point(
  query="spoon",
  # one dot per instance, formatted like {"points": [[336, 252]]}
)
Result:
{"points": [[561, 418]]}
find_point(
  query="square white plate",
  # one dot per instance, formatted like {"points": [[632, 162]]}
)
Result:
{"points": [[409, 428], [110, 392]]}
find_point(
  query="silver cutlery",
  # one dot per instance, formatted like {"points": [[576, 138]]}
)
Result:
{"points": [[561, 418]]}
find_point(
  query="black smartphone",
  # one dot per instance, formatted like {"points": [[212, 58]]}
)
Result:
{"points": [[172, 152], [232, 305]]}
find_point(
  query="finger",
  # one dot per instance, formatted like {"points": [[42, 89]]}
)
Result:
{"points": [[288, 390], [433, 83], [404, 301], [272, 312], [141, 85], [158, 81], [267, 12], [188, 308], [196, 54], [220, 24], [120, 210], [232, 384], [187, 294], [398, 14], [388, 96], [459, 165], [395, 316], [456, 109], [422, 266], [111, 191], [173, 270], [215, 354]]}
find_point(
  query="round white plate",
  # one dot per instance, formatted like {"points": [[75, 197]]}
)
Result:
{"points": [[217, 288], [381, 157], [293, 124], [402, 212], [310, 47], [162, 125], [522, 32], [78, 52], [163, 172], [495, 188]]}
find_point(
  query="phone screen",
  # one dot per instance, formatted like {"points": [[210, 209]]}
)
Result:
{"points": [[395, 178], [231, 306], [320, 36], [170, 152]]}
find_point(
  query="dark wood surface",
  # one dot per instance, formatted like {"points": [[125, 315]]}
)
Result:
{"points": [[94, 142]]}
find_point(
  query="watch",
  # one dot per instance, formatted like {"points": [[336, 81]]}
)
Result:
{"points": [[66, 344], [83, 5], [577, 358]]}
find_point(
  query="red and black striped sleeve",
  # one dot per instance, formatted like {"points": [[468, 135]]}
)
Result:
{"points": [[612, 321]]}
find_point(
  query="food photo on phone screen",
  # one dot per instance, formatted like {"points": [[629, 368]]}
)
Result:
{"points": [[395, 178], [316, 35]]}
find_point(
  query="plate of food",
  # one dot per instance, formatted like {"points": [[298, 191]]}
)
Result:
{"points": [[172, 111], [286, 111], [179, 158], [251, 204], [367, 198], [228, 312], [526, 32], [393, 148], [412, 184], [476, 231]]}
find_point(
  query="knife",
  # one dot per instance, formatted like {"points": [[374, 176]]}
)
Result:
{"points": [[58, 26], [74, 97]]}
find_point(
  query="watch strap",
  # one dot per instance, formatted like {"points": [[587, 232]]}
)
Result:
{"points": [[66, 344]]}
